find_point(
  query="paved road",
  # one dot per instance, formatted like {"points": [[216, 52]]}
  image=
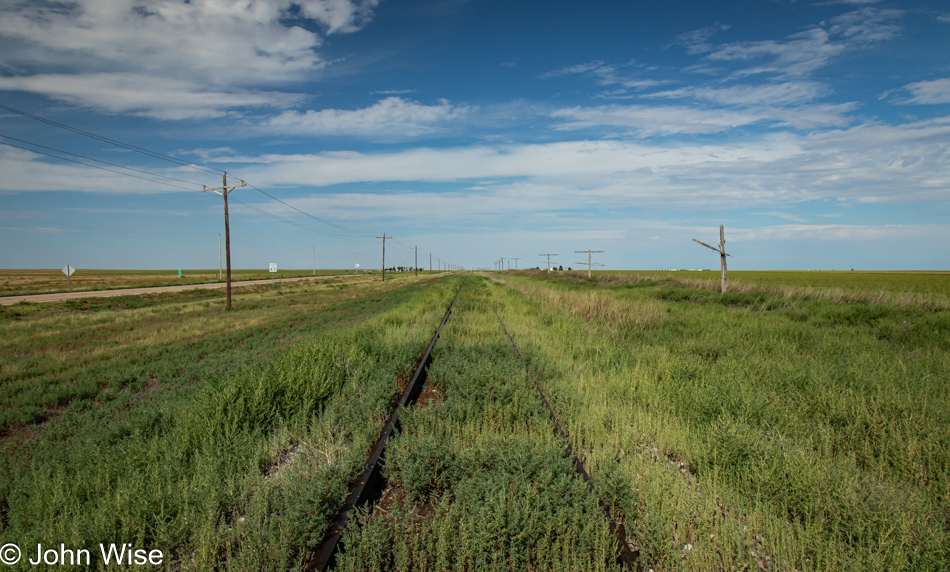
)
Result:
{"points": [[7, 300]]}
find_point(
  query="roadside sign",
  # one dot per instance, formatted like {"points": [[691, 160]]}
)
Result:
{"points": [[357, 265], [273, 267], [68, 271]]}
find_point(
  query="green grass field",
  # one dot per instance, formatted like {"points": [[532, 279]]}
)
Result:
{"points": [[917, 282], [782, 426]]}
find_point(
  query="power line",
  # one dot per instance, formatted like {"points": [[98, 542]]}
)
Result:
{"points": [[157, 155], [130, 147], [361, 235], [97, 160], [97, 167]]}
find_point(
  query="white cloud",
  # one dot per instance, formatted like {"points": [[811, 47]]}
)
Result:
{"points": [[574, 69], [145, 95], [388, 118], [225, 45], [868, 163], [779, 93], [842, 232], [929, 92], [646, 121], [26, 171], [944, 18], [605, 74], [653, 120], [812, 49], [697, 41]]}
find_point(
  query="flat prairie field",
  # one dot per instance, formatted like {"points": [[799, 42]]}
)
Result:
{"points": [[894, 286], [24, 282], [781, 426]]}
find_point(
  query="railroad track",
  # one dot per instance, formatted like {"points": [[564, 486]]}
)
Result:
{"points": [[370, 484], [628, 554]]}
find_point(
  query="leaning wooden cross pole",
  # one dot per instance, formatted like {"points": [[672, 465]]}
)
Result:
{"points": [[722, 256]]}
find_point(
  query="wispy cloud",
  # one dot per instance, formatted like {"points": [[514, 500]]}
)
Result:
{"points": [[392, 117], [842, 232], [609, 75], [778, 93], [147, 96], [804, 52], [659, 120], [697, 41]]}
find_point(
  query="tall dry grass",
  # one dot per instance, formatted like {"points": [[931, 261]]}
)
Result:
{"points": [[594, 306]]}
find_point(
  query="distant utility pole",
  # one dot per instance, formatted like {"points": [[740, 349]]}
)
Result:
{"points": [[502, 263], [416, 269], [225, 189], [384, 237], [589, 263], [430, 263], [549, 255], [314, 260], [516, 262], [724, 283]]}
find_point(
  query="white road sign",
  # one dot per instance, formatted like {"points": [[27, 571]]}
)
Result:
{"points": [[273, 267], [357, 265], [68, 270]]}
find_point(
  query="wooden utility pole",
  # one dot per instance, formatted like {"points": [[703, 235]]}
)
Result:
{"points": [[430, 263], [589, 263], [549, 255], [724, 282], [516, 262], [225, 189], [384, 237], [416, 268]]}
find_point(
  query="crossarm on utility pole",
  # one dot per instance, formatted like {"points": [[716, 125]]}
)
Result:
{"points": [[225, 188], [711, 247]]}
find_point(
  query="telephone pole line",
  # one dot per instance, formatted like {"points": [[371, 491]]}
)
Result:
{"points": [[516, 262], [589, 263], [724, 282], [225, 189], [549, 255], [416, 267], [384, 237]]}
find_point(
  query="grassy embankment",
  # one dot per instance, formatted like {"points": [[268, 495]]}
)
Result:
{"points": [[223, 439], [25, 282], [478, 479], [772, 429]]}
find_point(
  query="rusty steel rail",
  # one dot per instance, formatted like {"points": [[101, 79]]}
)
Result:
{"points": [[628, 555], [370, 484]]}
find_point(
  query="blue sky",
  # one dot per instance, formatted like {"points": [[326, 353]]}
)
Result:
{"points": [[817, 133]]}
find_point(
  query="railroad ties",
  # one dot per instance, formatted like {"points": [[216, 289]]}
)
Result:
{"points": [[628, 555], [369, 486]]}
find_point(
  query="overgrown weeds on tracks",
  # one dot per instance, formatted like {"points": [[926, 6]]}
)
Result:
{"points": [[239, 471]]}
